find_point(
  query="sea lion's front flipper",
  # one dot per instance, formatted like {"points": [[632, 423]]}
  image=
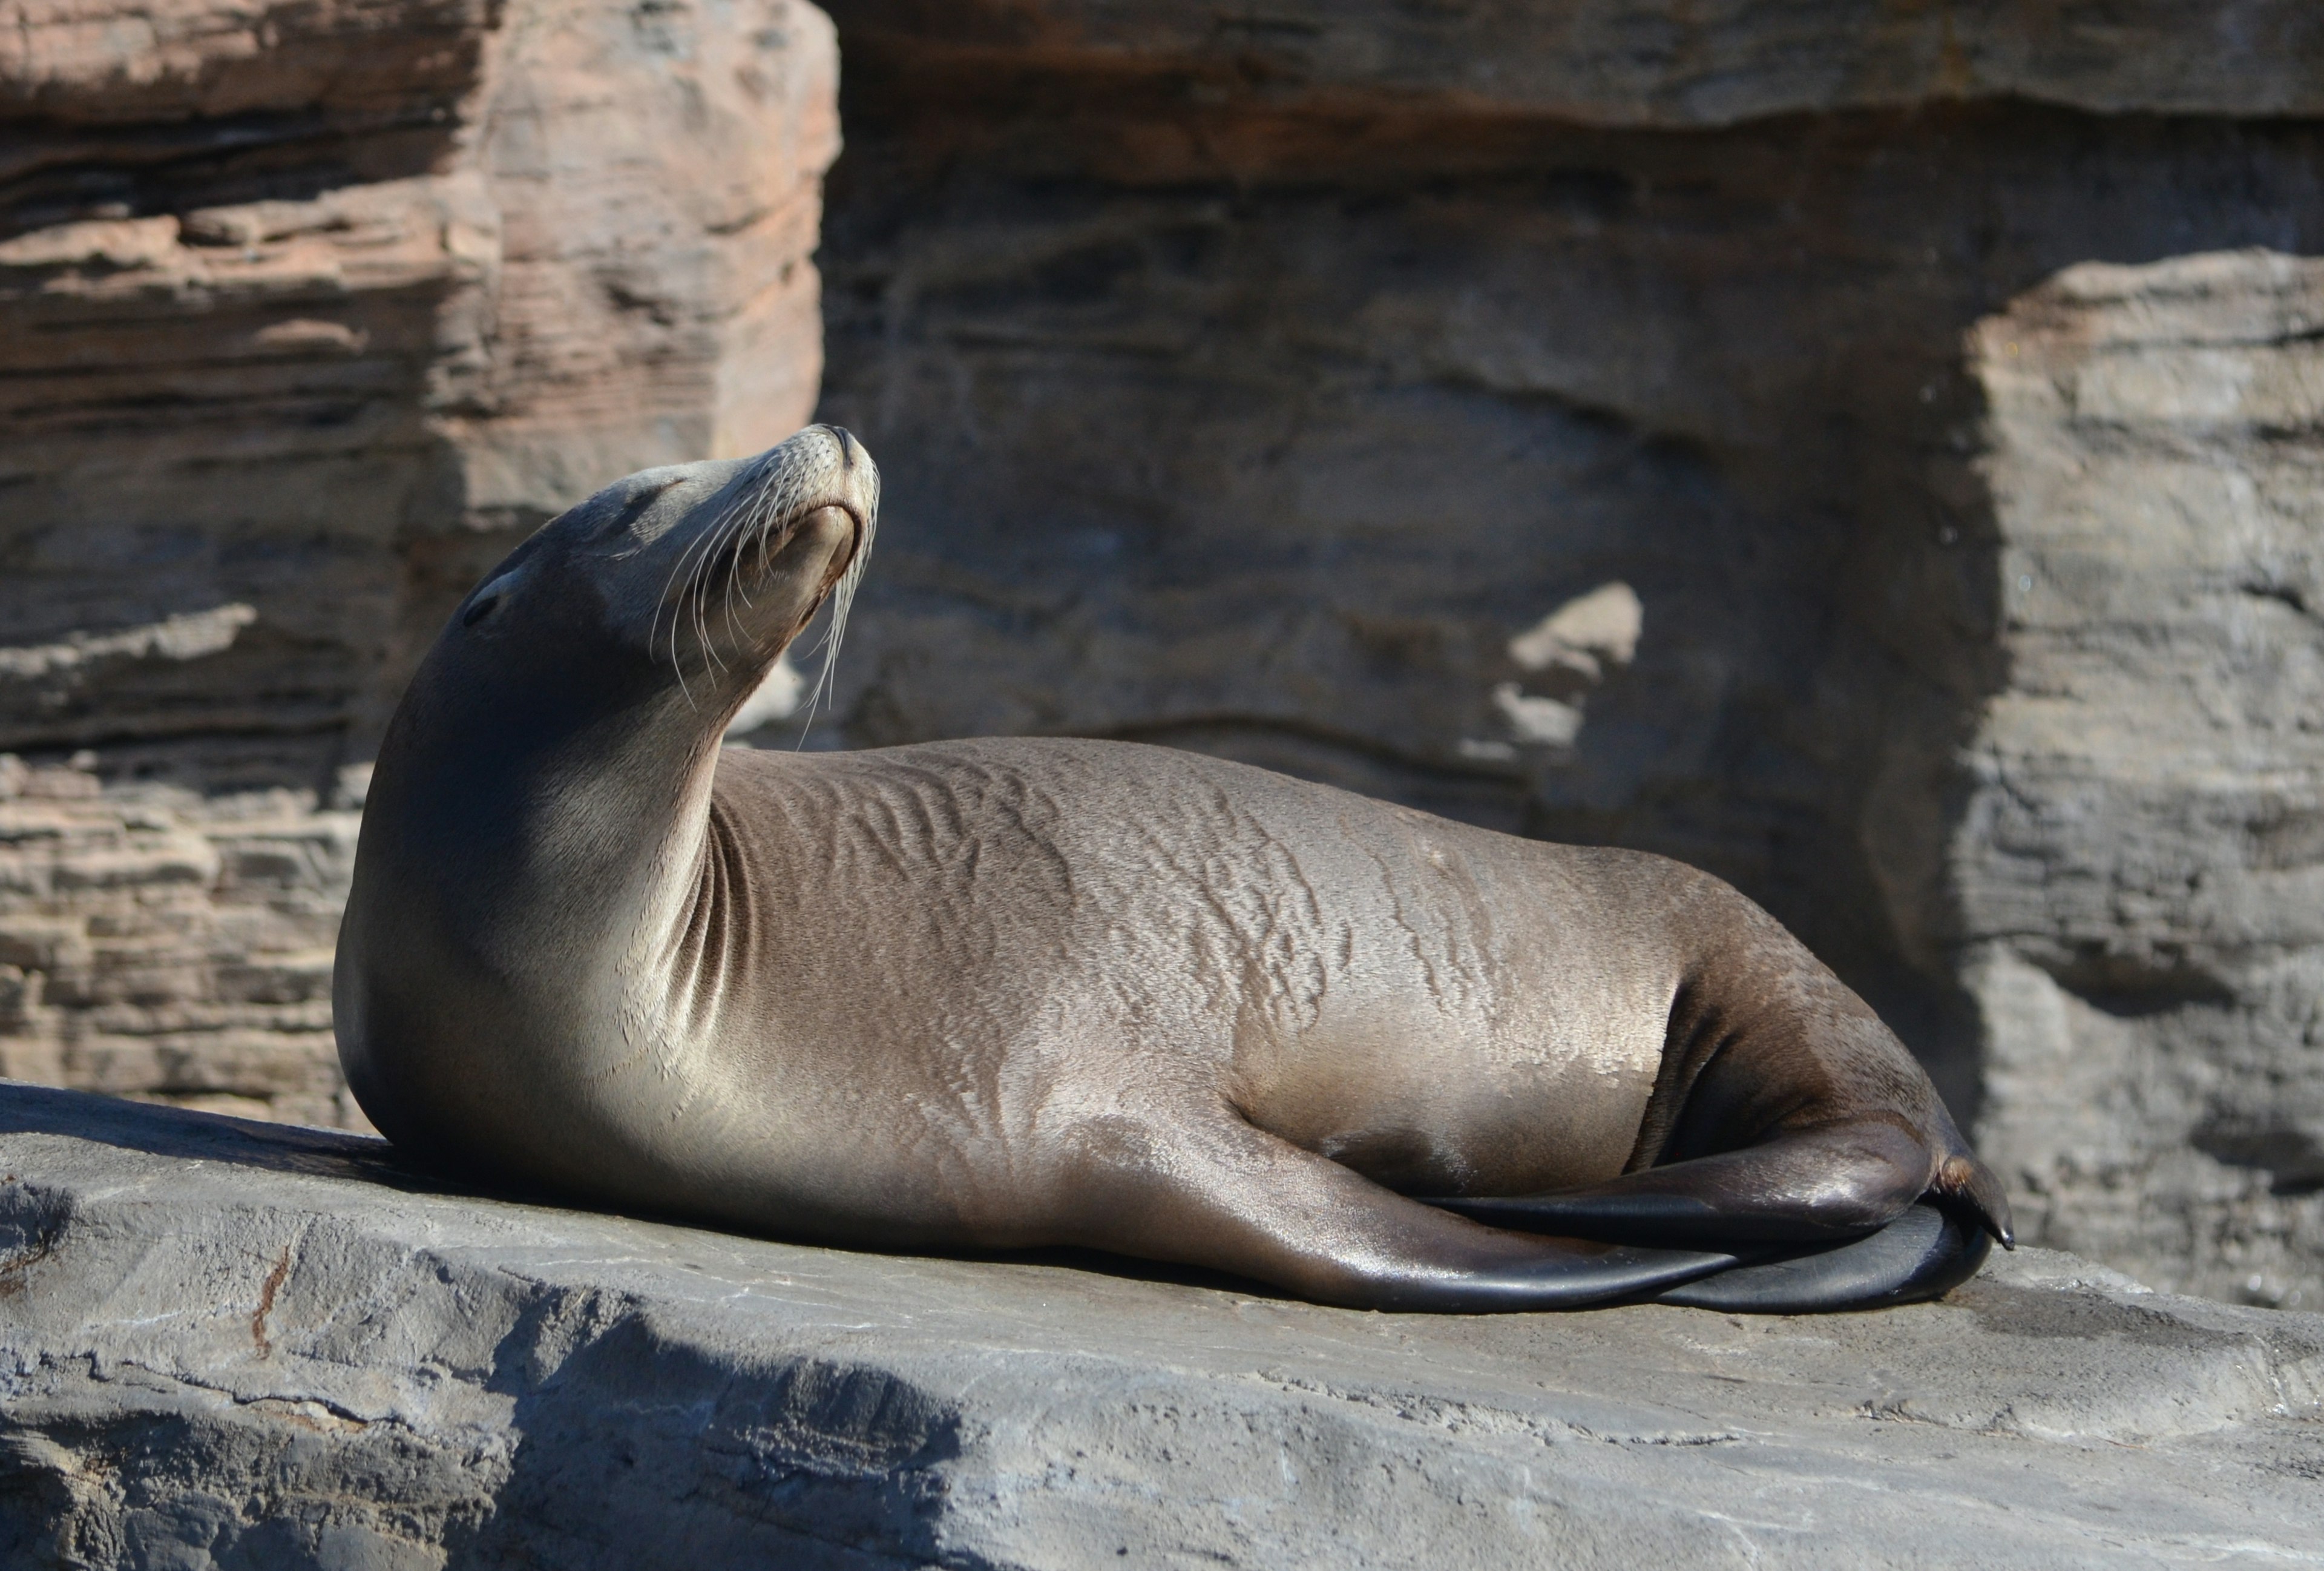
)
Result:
{"points": [[1219, 1193], [1924, 1253]]}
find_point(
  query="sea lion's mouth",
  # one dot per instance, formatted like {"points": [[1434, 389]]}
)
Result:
{"points": [[738, 592], [859, 530], [751, 561]]}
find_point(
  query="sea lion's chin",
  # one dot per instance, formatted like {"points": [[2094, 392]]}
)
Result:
{"points": [[773, 597]]}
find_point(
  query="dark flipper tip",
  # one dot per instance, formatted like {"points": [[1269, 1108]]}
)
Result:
{"points": [[1969, 1183]]}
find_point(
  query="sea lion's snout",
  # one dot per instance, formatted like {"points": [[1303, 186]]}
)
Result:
{"points": [[763, 498], [760, 546]]}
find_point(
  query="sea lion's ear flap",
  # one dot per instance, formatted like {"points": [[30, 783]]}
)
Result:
{"points": [[490, 598]]}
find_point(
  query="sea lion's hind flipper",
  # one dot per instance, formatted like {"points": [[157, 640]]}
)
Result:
{"points": [[1548, 1273], [1815, 1186], [1924, 1253], [1839, 1217], [1229, 1196]]}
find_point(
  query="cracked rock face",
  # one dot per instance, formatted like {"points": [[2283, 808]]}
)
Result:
{"points": [[225, 1343]]}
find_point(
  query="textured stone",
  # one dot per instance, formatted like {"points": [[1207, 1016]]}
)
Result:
{"points": [[224, 1344], [308, 313], [2139, 866], [159, 944], [1637, 63]]}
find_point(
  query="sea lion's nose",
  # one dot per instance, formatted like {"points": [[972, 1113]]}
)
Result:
{"points": [[850, 449]]}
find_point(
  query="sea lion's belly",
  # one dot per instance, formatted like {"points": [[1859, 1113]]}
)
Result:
{"points": [[1489, 1019]]}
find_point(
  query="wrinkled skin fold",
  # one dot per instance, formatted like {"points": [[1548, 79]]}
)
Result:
{"points": [[1003, 993]]}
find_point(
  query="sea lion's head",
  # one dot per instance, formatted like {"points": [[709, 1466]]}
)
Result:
{"points": [[579, 693], [678, 586], [543, 786]]}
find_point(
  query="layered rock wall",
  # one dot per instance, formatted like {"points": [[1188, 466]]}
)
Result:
{"points": [[1651, 63], [158, 943], [307, 315]]}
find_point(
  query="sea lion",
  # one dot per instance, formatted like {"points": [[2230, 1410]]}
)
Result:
{"points": [[1000, 994]]}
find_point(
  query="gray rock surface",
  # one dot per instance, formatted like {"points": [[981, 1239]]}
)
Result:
{"points": [[224, 1343]]}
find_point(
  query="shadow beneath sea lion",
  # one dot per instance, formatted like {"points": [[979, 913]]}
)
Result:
{"points": [[181, 1134]]}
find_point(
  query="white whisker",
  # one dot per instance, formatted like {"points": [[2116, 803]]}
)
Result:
{"points": [[768, 504]]}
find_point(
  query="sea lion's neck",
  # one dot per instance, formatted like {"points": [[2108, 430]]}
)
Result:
{"points": [[699, 910], [628, 847], [533, 853], [535, 870]]}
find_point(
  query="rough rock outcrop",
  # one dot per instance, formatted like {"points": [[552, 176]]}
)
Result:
{"points": [[2138, 865], [227, 1344], [307, 315], [1282, 389]]}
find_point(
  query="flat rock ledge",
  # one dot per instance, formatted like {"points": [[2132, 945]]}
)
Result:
{"points": [[227, 1344]]}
